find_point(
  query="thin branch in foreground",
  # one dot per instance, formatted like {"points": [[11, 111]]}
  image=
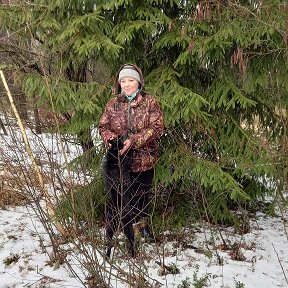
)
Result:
{"points": [[32, 158], [280, 264]]}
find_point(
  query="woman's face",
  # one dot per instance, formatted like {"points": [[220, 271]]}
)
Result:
{"points": [[129, 85]]}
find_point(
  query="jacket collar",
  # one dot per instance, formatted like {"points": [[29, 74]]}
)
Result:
{"points": [[134, 102]]}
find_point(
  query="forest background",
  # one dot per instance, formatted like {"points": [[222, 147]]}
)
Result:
{"points": [[218, 69]]}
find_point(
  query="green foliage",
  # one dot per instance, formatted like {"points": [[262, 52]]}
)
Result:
{"points": [[239, 284], [89, 203], [179, 214], [200, 282], [185, 283], [218, 69], [83, 99], [90, 198]]}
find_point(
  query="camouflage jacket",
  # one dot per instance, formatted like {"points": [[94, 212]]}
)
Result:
{"points": [[145, 118]]}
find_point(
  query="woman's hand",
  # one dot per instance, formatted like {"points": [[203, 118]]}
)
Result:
{"points": [[107, 143], [127, 143]]}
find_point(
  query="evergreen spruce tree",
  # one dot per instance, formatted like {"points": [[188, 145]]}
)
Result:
{"points": [[218, 68]]}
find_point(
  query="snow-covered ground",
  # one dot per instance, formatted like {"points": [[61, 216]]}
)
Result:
{"points": [[256, 259], [264, 253], [24, 262]]}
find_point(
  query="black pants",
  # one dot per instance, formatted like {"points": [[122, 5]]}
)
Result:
{"points": [[141, 191]]}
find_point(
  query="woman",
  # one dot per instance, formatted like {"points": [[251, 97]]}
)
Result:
{"points": [[136, 116]]}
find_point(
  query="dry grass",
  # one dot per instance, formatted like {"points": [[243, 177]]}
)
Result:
{"points": [[12, 192], [10, 197]]}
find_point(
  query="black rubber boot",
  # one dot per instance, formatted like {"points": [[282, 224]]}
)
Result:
{"points": [[145, 231], [148, 235]]}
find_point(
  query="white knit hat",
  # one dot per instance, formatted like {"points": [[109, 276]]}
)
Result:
{"points": [[129, 71]]}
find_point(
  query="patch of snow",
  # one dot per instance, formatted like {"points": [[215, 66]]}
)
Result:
{"points": [[24, 261]]}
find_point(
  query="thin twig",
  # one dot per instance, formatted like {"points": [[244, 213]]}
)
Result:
{"points": [[280, 264]]}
